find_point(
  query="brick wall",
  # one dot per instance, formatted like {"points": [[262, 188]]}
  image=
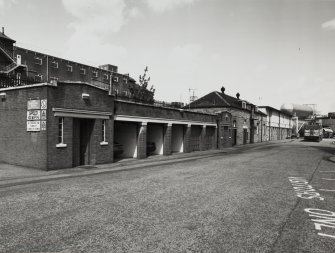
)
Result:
{"points": [[70, 96], [141, 110], [17, 146]]}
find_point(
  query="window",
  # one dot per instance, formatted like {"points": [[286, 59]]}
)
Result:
{"points": [[69, 68], [54, 64], [106, 76], [61, 143], [115, 79], [103, 133], [94, 74], [125, 80], [38, 78], [256, 108], [83, 71], [234, 123], [38, 61], [244, 105]]}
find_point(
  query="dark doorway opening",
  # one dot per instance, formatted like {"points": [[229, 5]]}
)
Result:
{"points": [[245, 136], [234, 136], [82, 133]]}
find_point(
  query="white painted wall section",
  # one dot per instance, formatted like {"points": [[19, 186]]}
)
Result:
{"points": [[177, 138], [155, 134]]}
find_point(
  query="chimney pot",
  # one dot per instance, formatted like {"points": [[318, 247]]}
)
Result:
{"points": [[238, 95], [223, 89]]}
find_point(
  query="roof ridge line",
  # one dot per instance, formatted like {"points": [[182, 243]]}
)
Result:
{"points": [[219, 95]]}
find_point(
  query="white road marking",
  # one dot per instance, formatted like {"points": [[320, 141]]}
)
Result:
{"points": [[325, 190], [322, 218], [303, 189], [328, 178]]}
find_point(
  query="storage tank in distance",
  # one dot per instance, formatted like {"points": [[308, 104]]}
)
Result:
{"points": [[302, 111]]}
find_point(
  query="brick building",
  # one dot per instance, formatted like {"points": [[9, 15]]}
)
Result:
{"points": [[56, 113], [240, 122]]}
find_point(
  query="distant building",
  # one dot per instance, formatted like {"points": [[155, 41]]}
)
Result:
{"points": [[329, 121], [240, 121], [19, 65], [278, 125]]}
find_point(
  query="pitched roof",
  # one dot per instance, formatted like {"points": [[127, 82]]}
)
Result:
{"points": [[216, 99], [3, 36]]}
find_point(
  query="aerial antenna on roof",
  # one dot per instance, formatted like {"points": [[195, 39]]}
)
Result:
{"points": [[192, 97]]}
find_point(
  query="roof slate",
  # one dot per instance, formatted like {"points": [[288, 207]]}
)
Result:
{"points": [[216, 99], [3, 36]]}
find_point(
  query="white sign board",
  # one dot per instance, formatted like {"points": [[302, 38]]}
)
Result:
{"points": [[43, 125], [33, 104], [33, 126], [34, 115], [44, 104], [43, 114]]}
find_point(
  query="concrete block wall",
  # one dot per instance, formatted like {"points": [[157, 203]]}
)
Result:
{"points": [[142, 141], [17, 146], [167, 140]]}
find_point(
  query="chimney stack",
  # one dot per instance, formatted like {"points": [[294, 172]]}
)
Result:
{"points": [[238, 95], [223, 89]]}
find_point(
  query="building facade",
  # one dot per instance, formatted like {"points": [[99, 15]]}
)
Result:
{"points": [[240, 123], [277, 125], [56, 113]]}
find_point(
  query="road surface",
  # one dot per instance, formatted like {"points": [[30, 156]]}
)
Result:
{"points": [[268, 198]]}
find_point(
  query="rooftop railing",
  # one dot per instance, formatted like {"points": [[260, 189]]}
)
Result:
{"points": [[8, 82]]}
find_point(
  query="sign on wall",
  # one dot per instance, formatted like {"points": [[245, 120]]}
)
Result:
{"points": [[36, 115], [33, 104], [33, 126]]}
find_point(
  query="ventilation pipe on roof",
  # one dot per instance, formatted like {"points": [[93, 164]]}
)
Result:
{"points": [[238, 95]]}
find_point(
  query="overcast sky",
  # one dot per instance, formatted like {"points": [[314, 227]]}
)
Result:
{"points": [[270, 51]]}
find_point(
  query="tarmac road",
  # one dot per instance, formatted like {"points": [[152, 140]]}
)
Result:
{"points": [[268, 198]]}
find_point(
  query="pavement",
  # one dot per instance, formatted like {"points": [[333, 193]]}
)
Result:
{"points": [[11, 175]]}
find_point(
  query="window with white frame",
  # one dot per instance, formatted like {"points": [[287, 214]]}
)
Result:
{"points": [[61, 133], [82, 71], [244, 105], [54, 64], [38, 78], [106, 76], [38, 60], [103, 132], [94, 74], [69, 68]]}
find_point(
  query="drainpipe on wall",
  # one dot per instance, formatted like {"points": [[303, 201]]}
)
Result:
{"points": [[47, 68]]}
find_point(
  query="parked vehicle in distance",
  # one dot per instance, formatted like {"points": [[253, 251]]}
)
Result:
{"points": [[328, 132], [117, 148], [151, 147], [313, 130]]}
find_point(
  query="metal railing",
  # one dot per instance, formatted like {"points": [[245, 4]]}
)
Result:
{"points": [[175, 105], [6, 68], [7, 82], [8, 50]]}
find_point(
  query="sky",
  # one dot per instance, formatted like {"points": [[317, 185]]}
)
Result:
{"points": [[270, 51]]}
